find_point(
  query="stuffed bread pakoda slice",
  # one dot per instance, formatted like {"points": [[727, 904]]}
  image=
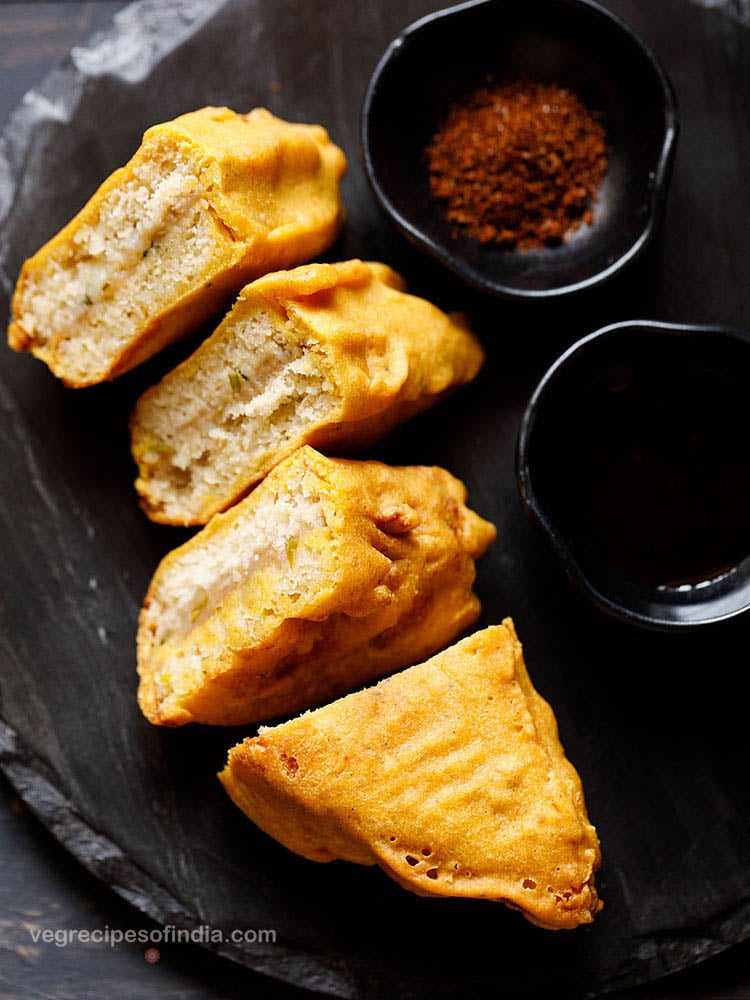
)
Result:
{"points": [[208, 202], [332, 355], [331, 573], [449, 775]]}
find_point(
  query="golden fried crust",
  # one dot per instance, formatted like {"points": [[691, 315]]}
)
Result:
{"points": [[390, 354], [386, 355], [395, 571], [270, 189], [449, 775]]}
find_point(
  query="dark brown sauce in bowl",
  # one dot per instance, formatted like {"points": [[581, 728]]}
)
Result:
{"points": [[635, 459]]}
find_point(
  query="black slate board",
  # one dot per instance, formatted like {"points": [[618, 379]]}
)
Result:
{"points": [[651, 721]]}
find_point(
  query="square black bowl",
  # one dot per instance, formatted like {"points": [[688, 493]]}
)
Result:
{"points": [[699, 374], [575, 43]]}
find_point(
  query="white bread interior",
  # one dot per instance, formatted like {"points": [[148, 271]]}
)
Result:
{"points": [[247, 553], [252, 398], [155, 235]]}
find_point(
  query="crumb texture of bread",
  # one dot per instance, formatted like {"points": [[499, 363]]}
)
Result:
{"points": [[208, 202], [449, 775], [331, 355], [331, 573]]}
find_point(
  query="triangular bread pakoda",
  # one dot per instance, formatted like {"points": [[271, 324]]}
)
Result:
{"points": [[331, 355], [330, 574], [209, 201], [449, 775]]}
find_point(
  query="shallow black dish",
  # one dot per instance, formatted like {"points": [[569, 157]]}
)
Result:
{"points": [[572, 42], [585, 387]]}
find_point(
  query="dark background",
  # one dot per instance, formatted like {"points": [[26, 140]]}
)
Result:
{"points": [[39, 883]]}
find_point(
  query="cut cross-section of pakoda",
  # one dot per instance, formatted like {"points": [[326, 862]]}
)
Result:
{"points": [[331, 355], [331, 573], [209, 201], [449, 775]]}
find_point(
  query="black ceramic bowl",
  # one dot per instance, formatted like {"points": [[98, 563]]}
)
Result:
{"points": [[572, 42], [633, 460]]}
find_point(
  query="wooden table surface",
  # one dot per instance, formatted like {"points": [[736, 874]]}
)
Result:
{"points": [[41, 887]]}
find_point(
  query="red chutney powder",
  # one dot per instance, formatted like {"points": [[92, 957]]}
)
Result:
{"points": [[518, 163]]}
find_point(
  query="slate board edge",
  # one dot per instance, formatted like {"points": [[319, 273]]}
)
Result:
{"points": [[33, 780], [122, 48], [37, 787]]}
